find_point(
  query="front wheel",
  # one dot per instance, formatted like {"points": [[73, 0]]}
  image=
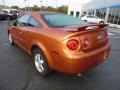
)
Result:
{"points": [[10, 39], [40, 62]]}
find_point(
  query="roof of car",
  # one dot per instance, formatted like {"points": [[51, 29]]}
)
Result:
{"points": [[40, 12], [36, 13]]}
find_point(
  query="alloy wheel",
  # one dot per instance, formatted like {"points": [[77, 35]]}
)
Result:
{"points": [[39, 62]]}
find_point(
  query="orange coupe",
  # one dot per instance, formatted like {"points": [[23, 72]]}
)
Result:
{"points": [[60, 42]]}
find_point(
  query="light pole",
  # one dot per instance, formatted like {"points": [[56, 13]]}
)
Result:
{"points": [[25, 5], [56, 3], [46, 2], [3, 2], [28, 5], [40, 5]]}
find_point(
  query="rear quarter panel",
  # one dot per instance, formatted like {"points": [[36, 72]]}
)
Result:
{"points": [[49, 41]]}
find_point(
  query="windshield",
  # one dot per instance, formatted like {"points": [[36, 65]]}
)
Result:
{"points": [[61, 20]]}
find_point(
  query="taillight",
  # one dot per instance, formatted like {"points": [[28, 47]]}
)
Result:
{"points": [[85, 43], [73, 44]]}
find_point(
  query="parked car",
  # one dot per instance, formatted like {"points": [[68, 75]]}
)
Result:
{"points": [[3, 16], [60, 42], [12, 13], [92, 19]]}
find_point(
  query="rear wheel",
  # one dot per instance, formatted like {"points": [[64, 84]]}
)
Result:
{"points": [[101, 22], [85, 20], [40, 62]]}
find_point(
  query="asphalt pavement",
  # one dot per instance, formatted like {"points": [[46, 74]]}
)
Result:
{"points": [[17, 70]]}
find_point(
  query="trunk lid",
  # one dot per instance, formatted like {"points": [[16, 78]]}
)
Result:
{"points": [[95, 35]]}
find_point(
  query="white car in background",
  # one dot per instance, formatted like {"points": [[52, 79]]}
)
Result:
{"points": [[92, 19]]}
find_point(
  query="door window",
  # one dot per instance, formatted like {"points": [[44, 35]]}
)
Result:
{"points": [[92, 17], [23, 20], [34, 23]]}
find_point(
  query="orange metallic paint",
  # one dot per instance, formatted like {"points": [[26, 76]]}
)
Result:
{"points": [[53, 43]]}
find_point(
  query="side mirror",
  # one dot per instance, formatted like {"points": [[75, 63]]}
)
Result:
{"points": [[15, 23]]}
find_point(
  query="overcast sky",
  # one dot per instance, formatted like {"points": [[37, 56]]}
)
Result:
{"points": [[53, 3]]}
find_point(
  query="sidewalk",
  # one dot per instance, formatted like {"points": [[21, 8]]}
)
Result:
{"points": [[114, 30]]}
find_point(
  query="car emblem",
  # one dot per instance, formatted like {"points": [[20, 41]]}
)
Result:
{"points": [[101, 36]]}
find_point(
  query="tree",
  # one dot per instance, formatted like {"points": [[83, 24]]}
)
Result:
{"points": [[35, 8], [15, 7], [49, 8], [62, 9]]}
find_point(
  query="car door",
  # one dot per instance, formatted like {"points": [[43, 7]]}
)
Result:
{"points": [[93, 19], [28, 32], [19, 28], [88, 18]]}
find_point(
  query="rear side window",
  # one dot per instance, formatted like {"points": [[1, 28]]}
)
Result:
{"points": [[61, 20], [91, 16], [23, 20], [34, 23]]}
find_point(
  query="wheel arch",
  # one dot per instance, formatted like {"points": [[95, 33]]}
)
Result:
{"points": [[101, 21], [85, 20], [44, 50]]}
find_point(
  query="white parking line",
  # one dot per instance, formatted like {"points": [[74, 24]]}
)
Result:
{"points": [[111, 34], [115, 37]]}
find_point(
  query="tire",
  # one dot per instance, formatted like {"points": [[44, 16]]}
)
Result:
{"points": [[10, 39], [101, 22], [85, 20], [40, 62]]}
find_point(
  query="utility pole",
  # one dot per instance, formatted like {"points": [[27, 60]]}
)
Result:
{"points": [[25, 5], [56, 3], [3, 2], [40, 5], [46, 2], [29, 5]]}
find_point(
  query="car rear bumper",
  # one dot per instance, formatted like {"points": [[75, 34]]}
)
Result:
{"points": [[82, 61]]}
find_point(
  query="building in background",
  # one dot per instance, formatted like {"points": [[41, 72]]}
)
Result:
{"points": [[74, 9], [109, 10]]}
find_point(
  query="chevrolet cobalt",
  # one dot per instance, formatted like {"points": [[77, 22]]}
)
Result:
{"points": [[60, 42]]}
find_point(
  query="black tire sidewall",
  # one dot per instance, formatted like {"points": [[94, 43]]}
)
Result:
{"points": [[101, 22], [45, 64]]}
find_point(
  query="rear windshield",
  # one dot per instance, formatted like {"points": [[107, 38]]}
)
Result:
{"points": [[61, 20]]}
